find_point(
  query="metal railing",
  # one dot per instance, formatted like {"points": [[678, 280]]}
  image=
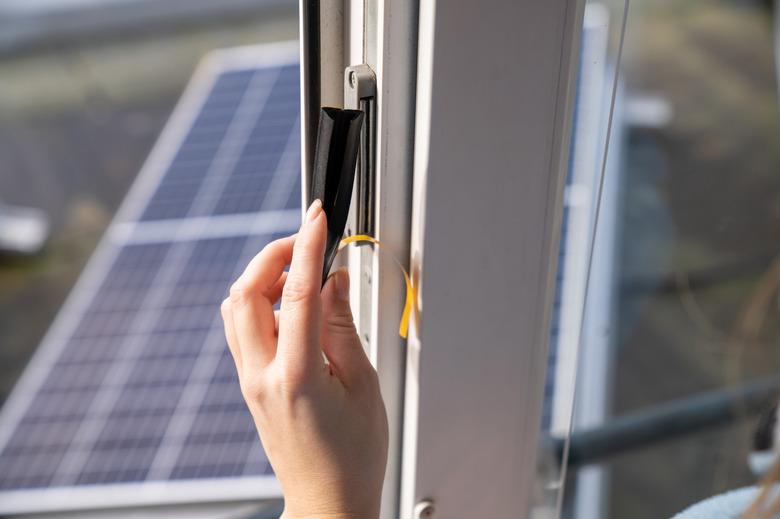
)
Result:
{"points": [[667, 421]]}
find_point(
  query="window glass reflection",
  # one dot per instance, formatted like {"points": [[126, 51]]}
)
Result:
{"points": [[679, 349]]}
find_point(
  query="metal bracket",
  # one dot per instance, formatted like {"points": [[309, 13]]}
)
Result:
{"points": [[360, 94]]}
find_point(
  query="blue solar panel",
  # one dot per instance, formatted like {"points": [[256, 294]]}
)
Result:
{"points": [[133, 385], [177, 190], [247, 186]]}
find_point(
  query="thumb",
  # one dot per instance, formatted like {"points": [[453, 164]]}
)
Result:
{"points": [[340, 340]]}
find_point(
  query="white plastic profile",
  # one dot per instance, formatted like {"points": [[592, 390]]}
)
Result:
{"points": [[383, 35], [494, 103]]}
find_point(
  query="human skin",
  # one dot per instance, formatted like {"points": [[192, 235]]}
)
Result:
{"points": [[306, 379]]}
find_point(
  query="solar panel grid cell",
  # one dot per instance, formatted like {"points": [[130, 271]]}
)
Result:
{"points": [[209, 268], [245, 190], [178, 188]]}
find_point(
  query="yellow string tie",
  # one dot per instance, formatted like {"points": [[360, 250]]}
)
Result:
{"points": [[411, 291]]}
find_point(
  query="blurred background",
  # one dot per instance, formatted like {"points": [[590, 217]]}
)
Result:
{"points": [[86, 86], [691, 307], [698, 292]]}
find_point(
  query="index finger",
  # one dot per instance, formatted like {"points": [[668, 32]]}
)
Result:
{"points": [[299, 319], [267, 266], [252, 298]]}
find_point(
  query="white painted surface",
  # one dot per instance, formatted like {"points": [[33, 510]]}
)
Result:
{"points": [[201, 511], [494, 105], [383, 35], [595, 370], [118, 496], [580, 199]]}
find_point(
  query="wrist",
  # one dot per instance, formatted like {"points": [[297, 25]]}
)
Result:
{"points": [[335, 515], [368, 513], [311, 505]]}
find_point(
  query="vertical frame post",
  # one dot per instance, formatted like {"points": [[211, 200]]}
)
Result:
{"points": [[322, 41], [383, 36], [379, 36], [495, 94]]}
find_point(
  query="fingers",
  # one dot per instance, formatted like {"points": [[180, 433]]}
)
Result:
{"points": [[275, 293], [251, 324], [230, 333], [298, 347], [264, 270], [252, 298], [340, 340]]}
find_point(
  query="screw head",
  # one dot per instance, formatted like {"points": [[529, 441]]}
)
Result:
{"points": [[424, 510], [352, 79]]}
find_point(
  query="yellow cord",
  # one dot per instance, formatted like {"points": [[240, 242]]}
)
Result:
{"points": [[411, 290]]}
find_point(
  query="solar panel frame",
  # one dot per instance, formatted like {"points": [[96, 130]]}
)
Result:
{"points": [[144, 493]]}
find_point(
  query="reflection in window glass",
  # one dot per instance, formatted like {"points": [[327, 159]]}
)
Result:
{"points": [[594, 124], [680, 344]]}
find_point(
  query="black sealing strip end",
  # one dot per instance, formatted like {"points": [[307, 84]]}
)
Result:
{"points": [[333, 172]]}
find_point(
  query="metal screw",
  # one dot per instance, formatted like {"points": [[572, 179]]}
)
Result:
{"points": [[424, 510], [352, 79]]}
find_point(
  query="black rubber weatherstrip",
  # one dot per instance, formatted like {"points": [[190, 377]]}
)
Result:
{"points": [[310, 14], [333, 172]]}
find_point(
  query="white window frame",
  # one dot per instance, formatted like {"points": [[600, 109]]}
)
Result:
{"points": [[383, 35], [495, 96], [474, 114]]}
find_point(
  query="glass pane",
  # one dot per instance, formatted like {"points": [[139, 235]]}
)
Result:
{"points": [[679, 347], [596, 87]]}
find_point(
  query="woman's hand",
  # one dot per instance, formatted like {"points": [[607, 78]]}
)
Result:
{"points": [[322, 424]]}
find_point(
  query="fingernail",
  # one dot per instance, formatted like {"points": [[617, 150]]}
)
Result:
{"points": [[314, 210], [342, 283]]}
